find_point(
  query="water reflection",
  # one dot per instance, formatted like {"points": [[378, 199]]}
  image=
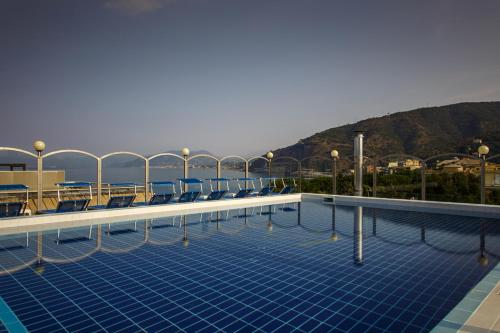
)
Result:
{"points": [[334, 236], [453, 235], [358, 235]]}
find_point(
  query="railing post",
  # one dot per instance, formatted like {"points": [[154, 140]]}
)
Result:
{"points": [[246, 173], [335, 155], [99, 181], [39, 182], [270, 156], [374, 184], [483, 176], [146, 180], [300, 176], [39, 147], [334, 176], [185, 154], [219, 173], [423, 182]]}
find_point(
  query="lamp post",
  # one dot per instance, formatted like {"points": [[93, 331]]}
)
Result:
{"points": [[483, 150], [270, 156], [185, 154], [335, 155], [39, 146]]}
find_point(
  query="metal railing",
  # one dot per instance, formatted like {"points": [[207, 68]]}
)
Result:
{"points": [[332, 158]]}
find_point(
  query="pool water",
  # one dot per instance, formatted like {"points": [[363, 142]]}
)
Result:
{"points": [[308, 267]]}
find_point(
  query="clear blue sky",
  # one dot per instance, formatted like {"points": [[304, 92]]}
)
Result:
{"points": [[232, 76]]}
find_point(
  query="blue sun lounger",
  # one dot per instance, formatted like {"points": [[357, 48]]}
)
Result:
{"points": [[14, 208], [189, 196], [161, 198], [288, 189], [120, 201], [72, 205], [216, 191], [243, 189], [266, 189]]}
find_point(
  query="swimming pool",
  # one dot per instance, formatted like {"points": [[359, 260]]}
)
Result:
{"points": [[308, 267]]}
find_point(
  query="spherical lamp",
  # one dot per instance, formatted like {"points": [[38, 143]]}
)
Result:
{"points": [[334, 153], [483, 150], [185, 151], [39, 146], [269, 155]]}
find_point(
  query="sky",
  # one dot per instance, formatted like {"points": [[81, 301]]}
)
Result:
{"points": [[232, 76]]}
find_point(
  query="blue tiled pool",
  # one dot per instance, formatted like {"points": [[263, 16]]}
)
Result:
{"points": [[308, 267]]}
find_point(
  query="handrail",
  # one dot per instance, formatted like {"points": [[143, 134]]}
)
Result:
{"points": [[18, 150]]}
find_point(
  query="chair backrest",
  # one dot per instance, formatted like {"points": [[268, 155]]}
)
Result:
{"points": [[160, 199], [189, 196], [121, 201], [216, 195], [72, 205], [9, 209], [287, 189], [243, 192], [266, 190]]}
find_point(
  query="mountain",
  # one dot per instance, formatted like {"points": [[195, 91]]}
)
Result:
{"points": [[422, 132]]}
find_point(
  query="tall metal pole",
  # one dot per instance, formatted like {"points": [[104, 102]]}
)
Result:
{"points": [[358, 164]]}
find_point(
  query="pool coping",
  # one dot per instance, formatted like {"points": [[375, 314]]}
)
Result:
{"points": [[456, 319], [450, 208], [76, 219]]}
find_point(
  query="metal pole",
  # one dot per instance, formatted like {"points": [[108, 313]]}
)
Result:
{"points": [[483, 174], [99, 181], [146, 180], [246, 173], [300, 176], [39, 181], [334, 176], [270, 172], [374, 184], [186, 171], [358, 164], [423, 182], [218, 175]]}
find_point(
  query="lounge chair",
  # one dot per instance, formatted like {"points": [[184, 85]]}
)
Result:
{"points": [[14, 208], [121, 200], [186, 195], [216, 191], [266, 189], [72, 205], [288, 189], [161, 198], [243, 189]]}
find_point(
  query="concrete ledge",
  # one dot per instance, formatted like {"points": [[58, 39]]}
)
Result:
{"points": [[76, 219], [450, 208]]}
